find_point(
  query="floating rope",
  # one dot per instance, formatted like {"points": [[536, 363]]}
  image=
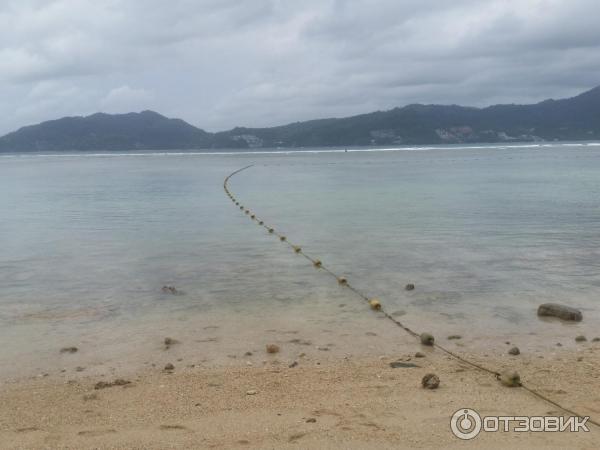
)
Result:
{"points": [[375, 304]]}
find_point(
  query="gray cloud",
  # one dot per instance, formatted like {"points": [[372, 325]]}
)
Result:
{"points": [[221, 63]]}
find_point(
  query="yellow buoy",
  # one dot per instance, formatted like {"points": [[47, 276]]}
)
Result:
{"points": [[374, 303], [342, 280], [317, 263]]}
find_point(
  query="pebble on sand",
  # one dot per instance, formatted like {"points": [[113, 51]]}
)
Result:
{"points": [[107, 384], [454, 337], [430, 381], [272, 348], [427, 339], [252, 392], [580, 339], [169, 367], [514, 351], [69, 350], [410, 287], [561, 311], [596, 339], [311, 420], [170, 341], [419, 355]]}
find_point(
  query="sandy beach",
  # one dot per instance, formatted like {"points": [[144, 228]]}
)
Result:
{"points": [[318, 403]]}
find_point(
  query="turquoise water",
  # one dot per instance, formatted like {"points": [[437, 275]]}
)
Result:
{"points": [[485, 233]]}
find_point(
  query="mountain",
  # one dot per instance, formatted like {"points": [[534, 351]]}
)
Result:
{"points": [[576, 118]]}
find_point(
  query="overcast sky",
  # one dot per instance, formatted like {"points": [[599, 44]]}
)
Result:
{"points": [[222, 63]]}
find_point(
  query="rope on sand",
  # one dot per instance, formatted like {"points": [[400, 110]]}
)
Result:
{"points": [[342, 281]]}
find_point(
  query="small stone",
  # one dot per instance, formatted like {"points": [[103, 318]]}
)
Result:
{"points": [[580, 358], [510, 379], [419, 355], [311, 420], [427, 339], [409, 287], [88, 397], [272, 348], [558, 344], [79, 369], [561, 311], [251, 392], [430, 381], [580, 339], [69, 350], [596, 339], [514, 351], [248, 354], [402, 365], [169, 367], [170, 341], [170, 290], [302, 355], [454, 337], [294, 364]]}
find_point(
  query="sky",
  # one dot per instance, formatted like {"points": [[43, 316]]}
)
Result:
{"points": [[224, 63]]}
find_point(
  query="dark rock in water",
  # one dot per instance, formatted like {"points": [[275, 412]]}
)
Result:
{"points": [[427, 339], [454, 337], [430, 381], [510, 378], [294, 364], [596, 339], [170, 290], [311, 420], [561, 311], [69, 350], [419, 355], [117, 382], [409, 287], [514, 351], [272, 348], [169, 367], [248, 354], [402, 365], [580, 339], [170, 341]]}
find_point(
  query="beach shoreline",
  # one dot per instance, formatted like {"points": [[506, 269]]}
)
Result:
{"points": [[353, 402]]}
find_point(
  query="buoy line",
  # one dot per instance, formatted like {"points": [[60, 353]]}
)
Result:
{"points": [[509, 379]]}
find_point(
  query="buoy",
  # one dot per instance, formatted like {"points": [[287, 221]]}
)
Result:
{"points": [[261, 223], [410, 287], [253, 217], [375, 304], [510, 378], [297, 249], [247, 211], [317, 263], [241, 207], [271, 230], [427, 339], [237, 203], [342, 280], [282, 238]]}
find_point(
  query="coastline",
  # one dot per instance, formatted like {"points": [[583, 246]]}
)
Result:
{"points": [[355, 403]]}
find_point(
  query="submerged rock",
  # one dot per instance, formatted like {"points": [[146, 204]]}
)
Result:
{"points": [[514, 351], [272, 348], [409, 287], [419, 355], [561, 311], [170, 341], [580, 339], [430, 381], [402, 365], [69, 350], [454, 337], [169, 367], [170, 290]]}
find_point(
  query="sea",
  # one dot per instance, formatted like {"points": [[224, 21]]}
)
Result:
{"points": [[486, 234]]}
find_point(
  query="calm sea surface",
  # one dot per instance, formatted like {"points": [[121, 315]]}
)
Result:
{"points": [[486, 234]]}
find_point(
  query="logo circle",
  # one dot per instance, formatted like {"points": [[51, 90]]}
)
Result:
{"points": [[465, 424]]}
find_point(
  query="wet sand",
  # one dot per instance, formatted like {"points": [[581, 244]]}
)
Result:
{"points": [[322, 402]]}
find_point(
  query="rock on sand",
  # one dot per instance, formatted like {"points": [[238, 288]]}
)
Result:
{"points": [[561, 311]]}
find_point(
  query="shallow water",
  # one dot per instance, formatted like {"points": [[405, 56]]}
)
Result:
{"points": [[485, 233]]}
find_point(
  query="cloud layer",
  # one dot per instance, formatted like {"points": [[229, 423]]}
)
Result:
{"points": [[221, 63]]}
